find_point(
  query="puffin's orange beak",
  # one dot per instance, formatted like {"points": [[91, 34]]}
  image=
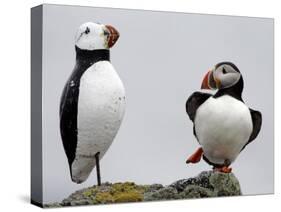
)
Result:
{"points": [[113, 35], [205, 82]]}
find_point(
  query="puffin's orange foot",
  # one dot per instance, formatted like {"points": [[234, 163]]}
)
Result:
{"points": [[196, 156], [224, 169]]}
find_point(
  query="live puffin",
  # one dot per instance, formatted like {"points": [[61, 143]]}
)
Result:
{"points": [[222, 123], [92, 103]]}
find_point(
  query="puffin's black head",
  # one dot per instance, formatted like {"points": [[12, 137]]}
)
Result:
{"points": [[223, 76]]}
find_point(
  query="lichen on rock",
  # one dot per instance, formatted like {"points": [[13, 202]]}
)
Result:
{"points": [[166, 193], [206, 184], [107, 193]]}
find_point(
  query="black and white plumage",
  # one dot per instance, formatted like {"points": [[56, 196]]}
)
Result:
{"points": [[223, 124], [93, 101]]}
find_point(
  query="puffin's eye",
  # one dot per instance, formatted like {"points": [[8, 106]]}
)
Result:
{"points": [[224, 71], [87, 30], [106, 33]]}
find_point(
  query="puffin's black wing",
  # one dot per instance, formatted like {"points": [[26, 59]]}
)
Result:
{"points": [[194, 102], [68, 116], [257, 121]]}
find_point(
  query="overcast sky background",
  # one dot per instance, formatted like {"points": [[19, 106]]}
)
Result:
{"points": [[161, 58]]}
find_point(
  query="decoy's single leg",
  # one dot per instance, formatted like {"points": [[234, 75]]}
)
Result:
{"points": [[98, 168]]}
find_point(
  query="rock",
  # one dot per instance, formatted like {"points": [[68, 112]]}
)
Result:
{"points": [[165, 193], [225, 184], [53, 205], [153, 188], [206, 184], [194, 191]]}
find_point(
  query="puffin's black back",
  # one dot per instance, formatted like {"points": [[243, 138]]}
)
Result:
{"points": [[69, 98]]}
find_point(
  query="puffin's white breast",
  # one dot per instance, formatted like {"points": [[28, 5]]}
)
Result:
{"points": [[223, 126], [101, 106]]}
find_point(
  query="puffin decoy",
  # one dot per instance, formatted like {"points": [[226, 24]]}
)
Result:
{"points": [[92, 103], [222, 123]]}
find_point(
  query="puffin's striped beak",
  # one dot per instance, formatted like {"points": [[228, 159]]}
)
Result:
{"points": [[209, 82], [205, 82], [113, 35]]}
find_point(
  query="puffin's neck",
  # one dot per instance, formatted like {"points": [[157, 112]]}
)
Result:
{"points": [[89, 57], [235, 91]]}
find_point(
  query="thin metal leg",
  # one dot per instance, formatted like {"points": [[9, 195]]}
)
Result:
{"points": [[98, 168]]}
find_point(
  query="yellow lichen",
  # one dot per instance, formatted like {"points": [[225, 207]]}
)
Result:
{"points": [[103, 197], [132, 196], [90, 192], [118, 192]]}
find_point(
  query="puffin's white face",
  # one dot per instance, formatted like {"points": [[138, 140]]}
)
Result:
{"points": [[225, 76], [222, 76], [92, 36]]}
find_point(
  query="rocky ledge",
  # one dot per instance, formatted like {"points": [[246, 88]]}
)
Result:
{"points": [[206, 184]]}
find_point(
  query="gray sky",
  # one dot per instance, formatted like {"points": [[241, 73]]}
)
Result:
{"points": [[161, 58]]}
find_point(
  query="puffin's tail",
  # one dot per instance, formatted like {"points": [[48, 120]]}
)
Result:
{"points": [[81, 169]]}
